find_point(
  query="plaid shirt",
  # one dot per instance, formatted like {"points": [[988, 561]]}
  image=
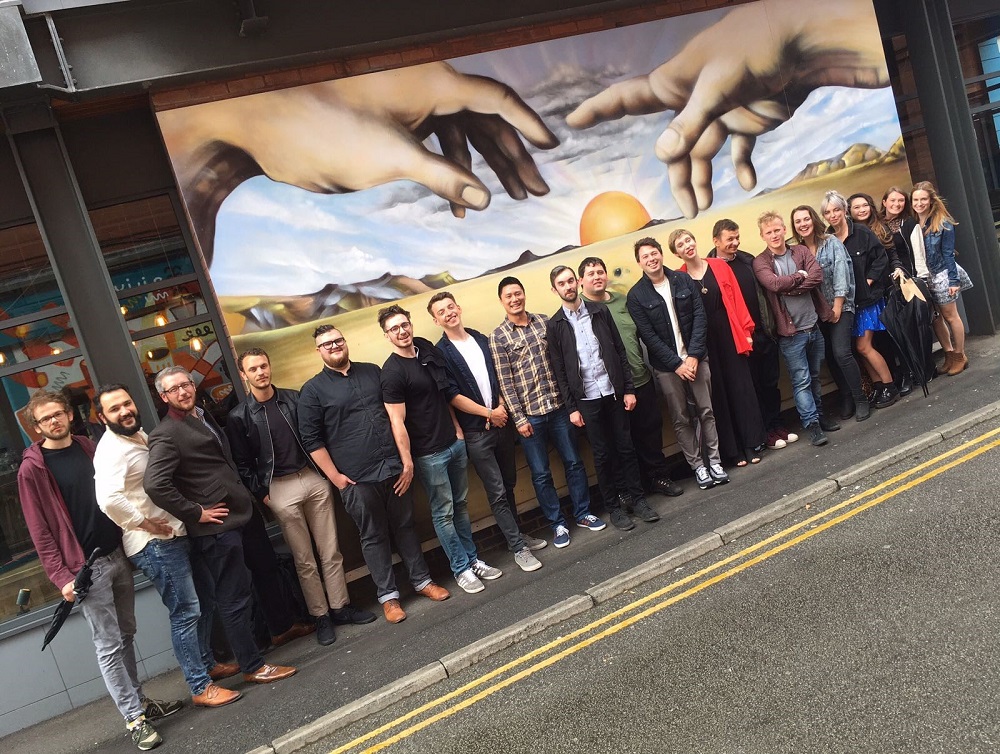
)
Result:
{"points": [[520, 354]]}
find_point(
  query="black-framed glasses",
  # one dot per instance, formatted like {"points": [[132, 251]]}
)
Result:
{"points": [[55, 415], [331, 345], [402, 326], [177, 388]]}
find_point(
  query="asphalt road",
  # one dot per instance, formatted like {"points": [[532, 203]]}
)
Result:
{"points": [[868, 627]]}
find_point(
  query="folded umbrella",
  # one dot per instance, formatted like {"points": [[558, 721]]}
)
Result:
{"points": [[81, 587], [907, 318]]}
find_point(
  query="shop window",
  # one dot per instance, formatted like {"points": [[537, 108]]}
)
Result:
{"points": [[27, 283], [163, 307]]}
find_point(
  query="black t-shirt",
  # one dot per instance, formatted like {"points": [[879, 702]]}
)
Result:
{"points": [[74, 474], [428, 421], [288, 456]]}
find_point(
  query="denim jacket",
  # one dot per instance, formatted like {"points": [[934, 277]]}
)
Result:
{"points": [[838, 272], [940, 249]]}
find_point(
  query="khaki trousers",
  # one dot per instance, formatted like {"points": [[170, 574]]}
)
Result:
{"points": [[303, 504]]}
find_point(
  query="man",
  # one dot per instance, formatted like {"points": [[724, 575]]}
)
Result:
{"points": [[263, 432], [645, 421], [474, 394], [191, 475], [414, 381], [345, 429], [152, 539], [595, 381], [668, 313], [791, 278], [56, 488], [531, 395], [764, 357]]}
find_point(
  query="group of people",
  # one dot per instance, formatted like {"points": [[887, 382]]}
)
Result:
{"points": [[183, 503]]}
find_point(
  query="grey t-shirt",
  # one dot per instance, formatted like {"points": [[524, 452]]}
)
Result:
{"points": [[800, 308]]}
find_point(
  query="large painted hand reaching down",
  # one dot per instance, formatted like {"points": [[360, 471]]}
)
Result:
{"points": [[356, 133], [740, 78]]}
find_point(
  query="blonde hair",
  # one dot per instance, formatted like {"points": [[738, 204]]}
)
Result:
{"points": [[672, 238], [939, 210], [768, 217]]}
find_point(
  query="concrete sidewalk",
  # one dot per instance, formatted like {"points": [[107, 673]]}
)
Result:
{"points": [[371, 666]]}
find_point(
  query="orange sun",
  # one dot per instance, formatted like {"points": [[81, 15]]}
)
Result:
{"points": [[611, 214]]}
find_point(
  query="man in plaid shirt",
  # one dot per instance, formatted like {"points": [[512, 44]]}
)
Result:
{"points": [[533, 402]]}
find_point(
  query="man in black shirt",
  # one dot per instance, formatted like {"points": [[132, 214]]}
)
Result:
{"points": [[263, 433], [344, 428], [414, 387], [56, 487]]}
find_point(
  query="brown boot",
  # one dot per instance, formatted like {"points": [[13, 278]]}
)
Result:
{"points": [[959, 363], [949, 357]]}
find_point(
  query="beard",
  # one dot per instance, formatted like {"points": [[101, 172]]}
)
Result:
{"points": [[119, 429]]}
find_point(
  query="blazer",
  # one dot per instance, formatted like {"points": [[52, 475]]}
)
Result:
{"points": [[652, 320], [189, 468], [462, 381]]}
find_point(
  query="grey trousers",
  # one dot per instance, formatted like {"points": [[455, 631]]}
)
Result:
{"points": [[487, 451], [677, 393], [109, 609]]}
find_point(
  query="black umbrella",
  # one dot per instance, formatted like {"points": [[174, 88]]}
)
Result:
{"points": [[907, 318], [81, 586]]}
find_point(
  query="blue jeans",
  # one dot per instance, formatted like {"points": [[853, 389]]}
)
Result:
{"points": [[555, 426], [167, 564], [445, 478], [803, 353]]}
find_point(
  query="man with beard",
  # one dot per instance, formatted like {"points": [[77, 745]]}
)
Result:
{"points": [[344, 427], [55, 485], [592, 370], [152, 539], [191, 475]]}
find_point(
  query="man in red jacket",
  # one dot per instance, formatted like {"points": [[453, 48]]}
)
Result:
{"points": [[56, 487]]}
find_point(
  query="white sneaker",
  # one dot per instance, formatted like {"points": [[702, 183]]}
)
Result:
{"points": [[703, 478], [468, 581], [533, 543], [792, 437], [484, 571], [526, 561]]}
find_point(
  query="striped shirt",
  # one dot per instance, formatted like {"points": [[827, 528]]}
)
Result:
{"points": [[520, 354]]}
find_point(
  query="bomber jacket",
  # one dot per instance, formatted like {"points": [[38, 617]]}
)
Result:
{"points": [[246, 427], [463, 382], [776, 285], [566, 360], [652, 320]]}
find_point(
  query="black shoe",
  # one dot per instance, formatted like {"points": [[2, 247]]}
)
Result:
{"points": [[624, 501], [864, 410], [668, 487], [828, 425], [905, 385], [886, 396], [642, 510], [349, 614], [325, 632], [847, 407], [816, 435], [620, 519]]}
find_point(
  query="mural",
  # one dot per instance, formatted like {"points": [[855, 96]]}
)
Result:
{"points": [[320, 202]]}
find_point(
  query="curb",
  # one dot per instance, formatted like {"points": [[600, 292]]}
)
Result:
{"points": [[615, 586]]}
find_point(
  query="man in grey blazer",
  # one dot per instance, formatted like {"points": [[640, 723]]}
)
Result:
{"points": [[191, 474]]}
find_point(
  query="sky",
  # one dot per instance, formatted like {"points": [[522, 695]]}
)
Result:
{"points": [[277, 240]]}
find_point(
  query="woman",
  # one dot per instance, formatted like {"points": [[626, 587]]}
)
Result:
{"points": [[862, 209], [730, 338], [838, 290], [871, 274], [906, 232], [943, 274]]}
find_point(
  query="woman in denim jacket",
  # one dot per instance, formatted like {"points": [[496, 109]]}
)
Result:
{"points": [[838, 290], [941, 271]]}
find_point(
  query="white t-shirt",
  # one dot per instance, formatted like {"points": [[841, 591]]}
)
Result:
{"points": [[476, 360], [664, 290]]}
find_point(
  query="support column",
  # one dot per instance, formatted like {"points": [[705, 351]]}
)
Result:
{"points": [[73, 251], [945, 108]]}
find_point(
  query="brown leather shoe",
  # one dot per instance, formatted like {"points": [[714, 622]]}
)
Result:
{"points": [[223, 670], [269, 674], [297, 631], [959, 363], [435, 592], [393, 611], [215, 696]]}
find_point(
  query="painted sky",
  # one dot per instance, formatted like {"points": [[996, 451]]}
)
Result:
{"points": [[273, 239]]}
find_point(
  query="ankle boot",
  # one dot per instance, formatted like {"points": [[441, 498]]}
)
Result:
{"points": [[959, 363], [949, 358], [863, 409], [847, 407]]}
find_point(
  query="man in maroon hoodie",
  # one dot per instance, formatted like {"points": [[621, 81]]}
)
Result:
{"points": [[56, 487]]}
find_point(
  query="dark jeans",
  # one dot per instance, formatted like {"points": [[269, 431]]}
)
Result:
{"points": [[555, 426], [765, 373], [489, 452], [646, 426], [839, 339], [258, 552], [378, 511], [222, 580], [606, 422]]}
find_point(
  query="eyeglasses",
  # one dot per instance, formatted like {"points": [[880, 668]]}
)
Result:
{"points": [[177, 388], [402, 326], [332, 345], [48, 419]]}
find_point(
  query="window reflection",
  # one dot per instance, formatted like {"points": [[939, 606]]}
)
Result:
{"points": [[161, 307]]}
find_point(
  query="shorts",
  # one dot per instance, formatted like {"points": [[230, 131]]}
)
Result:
{"points": [[938, 285]]}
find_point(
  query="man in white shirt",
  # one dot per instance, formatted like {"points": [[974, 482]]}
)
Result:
{"points": [[154, 541]]}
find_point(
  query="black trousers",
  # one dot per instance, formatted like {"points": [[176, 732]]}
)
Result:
{"points": [[839, 340], [258, 554], [606, 422], [646, 424], [765, 372]]}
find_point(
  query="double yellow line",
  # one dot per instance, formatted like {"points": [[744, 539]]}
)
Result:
{"points": [[575, 641]]}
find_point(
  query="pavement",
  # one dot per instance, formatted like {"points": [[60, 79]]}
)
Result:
{"points": [[371, 667]]}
